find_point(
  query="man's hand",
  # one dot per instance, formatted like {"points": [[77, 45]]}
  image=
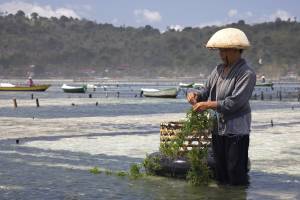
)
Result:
{"points": [[192, 97], [201, 106]]}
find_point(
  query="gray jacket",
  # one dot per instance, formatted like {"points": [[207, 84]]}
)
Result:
{"points": [[232, 94]]}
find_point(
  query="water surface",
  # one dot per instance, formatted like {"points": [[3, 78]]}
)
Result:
{"points": [[59, 143]]}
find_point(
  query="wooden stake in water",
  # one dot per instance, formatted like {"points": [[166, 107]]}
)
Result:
{"points": [[15, 102], [31, 96], [280, 96], [37, 102], [272, 124]]}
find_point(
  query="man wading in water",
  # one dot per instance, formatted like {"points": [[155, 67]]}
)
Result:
{"points": [[228, 90]]}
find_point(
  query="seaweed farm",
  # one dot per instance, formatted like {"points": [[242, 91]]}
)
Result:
{"points": [[47, 152]]}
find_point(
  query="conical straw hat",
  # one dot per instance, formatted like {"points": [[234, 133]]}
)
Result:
{"points": [[229, 38]]}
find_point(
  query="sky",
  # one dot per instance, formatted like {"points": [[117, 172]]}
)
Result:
{"points": [[160, 14]]}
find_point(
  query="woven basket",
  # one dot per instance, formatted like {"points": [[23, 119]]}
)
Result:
{"points": [[169, 131]]}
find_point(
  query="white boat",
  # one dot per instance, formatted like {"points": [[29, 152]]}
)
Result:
{"points": [[91, 86], [74, 89], [164, 93], [198, 85], [186, 85], [149, 90], [7, 85]]}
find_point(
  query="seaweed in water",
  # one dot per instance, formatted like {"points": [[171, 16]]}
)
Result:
{"points": [[151, 164], [121, 173], [135, 172], [199, 173], [95, 170]]}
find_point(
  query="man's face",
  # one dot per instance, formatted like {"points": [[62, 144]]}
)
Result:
{"points": [[227, 55]]}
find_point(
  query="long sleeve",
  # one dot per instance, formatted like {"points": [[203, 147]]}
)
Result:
{"points": [[241, 94], [204, 93]]}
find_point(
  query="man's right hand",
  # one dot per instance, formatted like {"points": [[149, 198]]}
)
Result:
{"points": [[192, 97]]}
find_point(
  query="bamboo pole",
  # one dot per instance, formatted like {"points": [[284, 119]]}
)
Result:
{"points": [[15, 102], [280, 96], [37, 102]]}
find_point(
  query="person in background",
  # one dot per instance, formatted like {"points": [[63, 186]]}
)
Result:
{"points": [[228, 90], [263, 79], [30, 82]]}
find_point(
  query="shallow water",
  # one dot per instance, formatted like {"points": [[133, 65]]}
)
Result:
{"points": [[59, 143]]}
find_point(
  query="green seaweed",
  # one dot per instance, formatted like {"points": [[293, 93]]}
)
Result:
{"points": [[151, 165], [199, 173], [134, 171], [95, 170], [121, 173]]}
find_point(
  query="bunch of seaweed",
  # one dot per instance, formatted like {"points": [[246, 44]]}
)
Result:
{"points": [[134, 171]]}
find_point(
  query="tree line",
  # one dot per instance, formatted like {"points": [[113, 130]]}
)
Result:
{"points": [[69, 47]]}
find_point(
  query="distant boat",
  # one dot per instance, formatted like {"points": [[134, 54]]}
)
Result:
{"points": [[264, 85], [74, 89], [263, 88], [91, 86], [198, 85], [12, 87], [186, 85], [165, 93]]}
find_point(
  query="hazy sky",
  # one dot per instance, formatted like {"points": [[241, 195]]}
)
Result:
{"points": [[161, 13]]}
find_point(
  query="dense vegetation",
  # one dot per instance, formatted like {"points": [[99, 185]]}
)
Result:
{"points": [[72, 47]]}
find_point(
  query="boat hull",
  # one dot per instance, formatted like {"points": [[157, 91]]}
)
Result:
{"points": [[186, 85], [264, 85], [35, 88], [75, 90], [168, 93]]}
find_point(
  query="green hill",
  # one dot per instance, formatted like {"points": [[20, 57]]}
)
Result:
{"points": [[71, 47]]}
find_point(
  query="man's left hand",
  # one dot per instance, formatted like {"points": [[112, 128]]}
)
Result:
{"points": [[201, 106]]}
